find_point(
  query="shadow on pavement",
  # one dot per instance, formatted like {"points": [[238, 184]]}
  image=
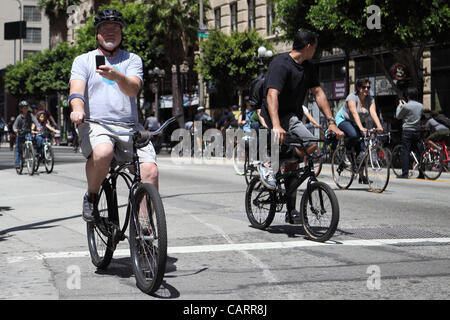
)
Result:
{"points": [[37, 225]]}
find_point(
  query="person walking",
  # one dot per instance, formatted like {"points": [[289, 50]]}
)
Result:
{"points": [[410, 113]]}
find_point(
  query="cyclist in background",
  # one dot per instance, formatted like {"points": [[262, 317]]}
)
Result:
{"points": [[352, 118], [22, 128], [42, 132], [439, 131], [107, 94], [289, 77]]}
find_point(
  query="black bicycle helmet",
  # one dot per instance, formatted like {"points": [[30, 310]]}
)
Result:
{"points": [[108, 15]]}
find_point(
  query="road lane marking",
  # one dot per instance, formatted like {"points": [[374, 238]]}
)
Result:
{"points": [[239, 247]]}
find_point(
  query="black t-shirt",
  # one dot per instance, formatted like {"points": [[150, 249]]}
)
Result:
{"points": [[292, 80]]}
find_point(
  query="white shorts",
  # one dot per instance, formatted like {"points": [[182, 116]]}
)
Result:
{"points": [[93, 134]]}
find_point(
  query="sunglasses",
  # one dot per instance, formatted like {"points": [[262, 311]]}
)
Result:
{"points": [[365, 87]]}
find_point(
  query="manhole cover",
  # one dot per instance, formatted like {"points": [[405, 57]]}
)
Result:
{"points": [[394, 232]]}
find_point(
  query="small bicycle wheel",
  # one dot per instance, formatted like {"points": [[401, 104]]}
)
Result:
{"points": [[341, 168], [432, 162], [239, 160], [260, 204], [49, 158], [377, 169], [148, 239], [29, 158], [99, 233], [319, 209]]}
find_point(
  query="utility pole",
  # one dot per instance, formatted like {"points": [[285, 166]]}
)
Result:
{"points": [[201, 98]]}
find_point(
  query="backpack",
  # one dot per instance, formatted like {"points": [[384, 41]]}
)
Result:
{"points": [[442, 119], [257, 91]]}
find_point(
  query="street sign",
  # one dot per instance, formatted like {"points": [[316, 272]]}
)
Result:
{"points": [[203, 34], [15, 30]]}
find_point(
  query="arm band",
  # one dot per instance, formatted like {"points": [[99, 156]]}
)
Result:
{"points": [[75, 95]]}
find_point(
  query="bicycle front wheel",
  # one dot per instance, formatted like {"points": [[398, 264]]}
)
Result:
{"points": [[239, 160], [148, 239], [377, 169], [341, 168], [49, 158], [19, 168], [100, 240], [432, 163], [260, 204], [29, 157], [319, 209]]}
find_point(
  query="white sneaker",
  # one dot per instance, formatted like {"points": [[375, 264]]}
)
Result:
{"points": [[267, 177]]}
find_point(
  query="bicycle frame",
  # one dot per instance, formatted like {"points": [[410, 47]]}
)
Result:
{"points": [[132, 184], [306, 172]]}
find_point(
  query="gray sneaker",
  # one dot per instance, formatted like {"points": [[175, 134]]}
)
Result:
{"points": [[267, 177], [89, 207]]}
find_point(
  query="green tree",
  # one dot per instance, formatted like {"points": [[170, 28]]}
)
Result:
{"points": [[56, 11], [42, 74], [231, 59], [176, 22], [407, 28]]}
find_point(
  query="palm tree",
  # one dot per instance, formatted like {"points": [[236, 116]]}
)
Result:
{"points": [[177, 22], [56, 11]]}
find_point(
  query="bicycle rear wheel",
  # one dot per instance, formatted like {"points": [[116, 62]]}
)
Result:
{"points": [[148, 239], [432, 162], [319, 209], [259, 204], [49, 158], [100, 238], [341, 168], [377, 169]]}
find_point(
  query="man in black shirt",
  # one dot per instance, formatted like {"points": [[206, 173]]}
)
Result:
{"points": [[289, 77]]}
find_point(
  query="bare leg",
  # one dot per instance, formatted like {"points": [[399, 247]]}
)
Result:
{"points": [[97, 166]]}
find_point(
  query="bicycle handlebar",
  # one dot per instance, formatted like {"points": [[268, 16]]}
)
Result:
{"points": [[142, 137]]}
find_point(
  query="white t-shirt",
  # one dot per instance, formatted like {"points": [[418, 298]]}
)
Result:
{"points": [[104, 99]]}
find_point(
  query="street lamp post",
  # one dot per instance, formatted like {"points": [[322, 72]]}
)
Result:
{"points": [[156, 74], [20, 40], [263, 53]]}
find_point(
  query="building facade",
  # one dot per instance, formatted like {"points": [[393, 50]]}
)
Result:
{"points": [[230, 15], [11, 51]]}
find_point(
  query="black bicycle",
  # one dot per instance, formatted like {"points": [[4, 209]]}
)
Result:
{"points": [[318, 207], [144, 212]]}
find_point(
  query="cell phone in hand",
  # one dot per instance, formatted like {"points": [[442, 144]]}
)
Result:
{"points": [[99, 60]]}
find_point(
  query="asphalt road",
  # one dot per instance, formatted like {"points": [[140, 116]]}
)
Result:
{"points": [[394, 245]]}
